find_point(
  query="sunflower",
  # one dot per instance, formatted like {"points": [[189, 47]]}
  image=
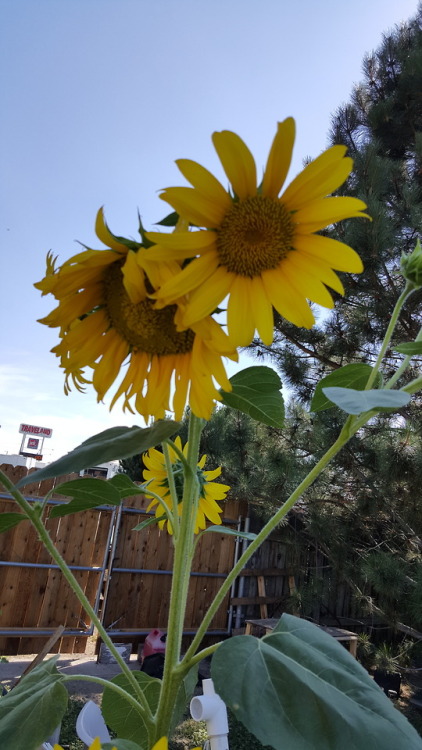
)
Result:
{"points": [[210, 491], [256, 246], [105, 316]]}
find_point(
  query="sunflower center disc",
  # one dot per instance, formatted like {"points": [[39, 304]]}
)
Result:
{"points": [[254, 236], [144, 328]]}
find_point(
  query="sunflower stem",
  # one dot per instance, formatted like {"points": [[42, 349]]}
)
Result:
{"points": [[173, 676], [407, 291], [350, 427], [403, 367], [34, 517], [174, 516]]}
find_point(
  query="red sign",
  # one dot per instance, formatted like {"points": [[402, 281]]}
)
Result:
{"points": [[33, 443], [29, 429]]}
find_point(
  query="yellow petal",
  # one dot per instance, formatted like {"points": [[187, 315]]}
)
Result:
{"points": [[190, 243], [300, 277], [204, 300], [191, 277], [103, 233], [205, 183], [286, 300], [240, 309], [336, 254], [193, 206], [322, 212], [211, 475], [318, 268], [133, 278], [279, 158], [238, 163], [321, 185], [181, 385], [263, 311], [107, 370], [312, 170]]}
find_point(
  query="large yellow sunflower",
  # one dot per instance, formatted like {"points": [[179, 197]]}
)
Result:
{"points": [[105, 316], [210, 491], [257, 247]]}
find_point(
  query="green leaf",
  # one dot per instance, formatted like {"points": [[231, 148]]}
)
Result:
{"points": [[148, 522], [125, 486], [121, 716], [356, 402], [183, 697], [170, 220], [299, 689], [256, 392], [86, 493], [410, 348], [232, 532], [350, 376], [33, 709], [9, 520], [110, 445]]}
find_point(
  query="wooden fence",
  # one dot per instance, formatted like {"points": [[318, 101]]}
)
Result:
{"points": [[125, 574]]}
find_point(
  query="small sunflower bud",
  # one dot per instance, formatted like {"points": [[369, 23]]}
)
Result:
{"points": [[411, 266]]}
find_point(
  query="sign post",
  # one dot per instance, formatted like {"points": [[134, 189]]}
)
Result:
{"points": [[32, 446]]}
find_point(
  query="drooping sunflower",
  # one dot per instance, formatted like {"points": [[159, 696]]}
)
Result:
{"points": [[256, 246], [105, 317], [210, 491]]}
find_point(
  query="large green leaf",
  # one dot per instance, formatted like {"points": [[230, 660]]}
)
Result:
{"points": [[110, 445], [256, 392], [356, 402], [33, 709], [299, 689], [86, 493], [410, 348], [9, 520], [350, 376], [121, 716]]}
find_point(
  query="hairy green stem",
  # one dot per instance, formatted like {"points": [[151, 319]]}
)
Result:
{"points": [[407, 291], [180, 583], [174, 516], [45, 538], [351, 425], [403, 367], [107, 684]]}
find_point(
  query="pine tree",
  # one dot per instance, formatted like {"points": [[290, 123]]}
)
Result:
{"points": [[365, 512]]}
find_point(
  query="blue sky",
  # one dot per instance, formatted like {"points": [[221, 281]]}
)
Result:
{"points": [[99, 97]]}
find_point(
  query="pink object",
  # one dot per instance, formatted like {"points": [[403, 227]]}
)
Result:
{"points": [[155, 643]]}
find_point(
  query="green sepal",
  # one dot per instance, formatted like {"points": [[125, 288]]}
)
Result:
{"points": [[256, 392], [170, 220]]}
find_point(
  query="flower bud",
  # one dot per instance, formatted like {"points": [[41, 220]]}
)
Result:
{"points": [[411, 266]]}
